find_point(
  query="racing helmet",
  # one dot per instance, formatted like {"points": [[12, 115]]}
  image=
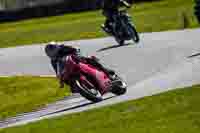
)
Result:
{"points": [[72, 49], [51, 49]]}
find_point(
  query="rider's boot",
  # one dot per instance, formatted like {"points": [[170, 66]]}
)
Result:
{"points": [[95, 62], [109, 72], [105, 28], [73, 88]]}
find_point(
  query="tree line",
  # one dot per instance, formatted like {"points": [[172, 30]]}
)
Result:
{"points": [[22, 9]]}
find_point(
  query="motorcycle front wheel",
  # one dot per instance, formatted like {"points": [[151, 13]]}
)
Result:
{"points": [[119, 87], [134, 33]]}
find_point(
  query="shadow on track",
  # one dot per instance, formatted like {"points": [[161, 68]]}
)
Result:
{"points": [[113, 46], [194, 55]]}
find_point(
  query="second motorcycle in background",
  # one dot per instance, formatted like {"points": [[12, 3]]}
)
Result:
{"points": [[119, 23]]}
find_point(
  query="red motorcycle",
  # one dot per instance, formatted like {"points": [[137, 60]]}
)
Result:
{"points": [[89, 81]]}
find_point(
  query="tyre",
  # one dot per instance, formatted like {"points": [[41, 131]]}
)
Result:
{"points": [[119, 41], [117, 34], [117, 90], [88, 91], [134, 33], [119, 87]]}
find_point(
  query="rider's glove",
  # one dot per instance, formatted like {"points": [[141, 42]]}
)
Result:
{"points": [[61, 82]]}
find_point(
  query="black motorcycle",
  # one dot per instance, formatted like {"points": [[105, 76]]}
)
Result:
{"points": [[122, 28], [197, 9]]}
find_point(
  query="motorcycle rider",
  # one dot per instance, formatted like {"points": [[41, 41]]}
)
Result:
{"points": [[110, 11], [56, 52], [197, 9]]}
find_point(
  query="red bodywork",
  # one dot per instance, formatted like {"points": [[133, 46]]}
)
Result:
{"points": [[81, 68]]}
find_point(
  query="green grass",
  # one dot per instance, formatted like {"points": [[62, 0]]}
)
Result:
{"points": [[156, 16], [24, 94], [176, 111]]}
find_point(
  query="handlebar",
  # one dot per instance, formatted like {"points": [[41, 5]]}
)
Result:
{"points": [[125, 3]]}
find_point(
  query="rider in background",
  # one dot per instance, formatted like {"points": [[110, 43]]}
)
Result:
{"points": [[197, 9], [110, 10], [56, 53]]}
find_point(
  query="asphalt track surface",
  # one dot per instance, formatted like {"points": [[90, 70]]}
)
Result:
{"points": [[160, 62]]}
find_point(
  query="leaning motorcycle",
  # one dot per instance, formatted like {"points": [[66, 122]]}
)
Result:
{"points": [[122, 28], [89, 81]]}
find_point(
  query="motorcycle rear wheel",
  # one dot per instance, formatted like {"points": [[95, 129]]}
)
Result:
{"points": [[91, 94], [119, 41]]}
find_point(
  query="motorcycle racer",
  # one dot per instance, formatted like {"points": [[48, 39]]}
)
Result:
{"points": [[56, 52], [110, 11]]}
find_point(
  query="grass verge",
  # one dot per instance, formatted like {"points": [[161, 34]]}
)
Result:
{"points": [[153, 16], [175, 111], [24, 94]]}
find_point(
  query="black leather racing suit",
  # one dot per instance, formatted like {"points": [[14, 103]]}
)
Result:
{"points": [[197, 9], [110, 10]]}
